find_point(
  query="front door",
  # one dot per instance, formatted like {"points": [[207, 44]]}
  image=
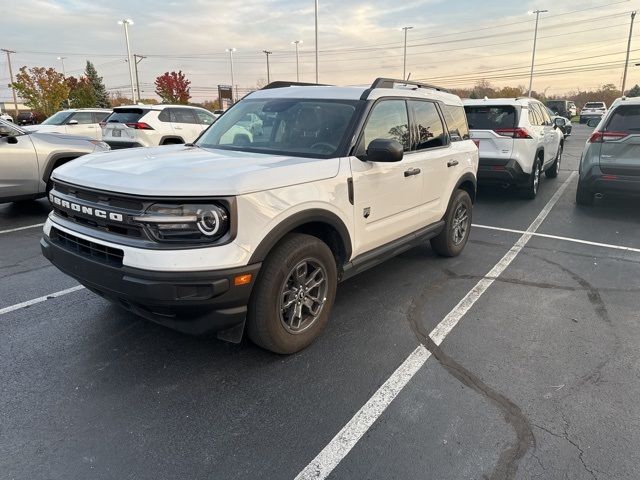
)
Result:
{"points": [[387, 196], [84, 125], [19, 173]]}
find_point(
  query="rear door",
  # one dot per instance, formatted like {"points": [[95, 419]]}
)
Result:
{"points": [[492, 128], [620, 152], [19, 172], [120, 124]]}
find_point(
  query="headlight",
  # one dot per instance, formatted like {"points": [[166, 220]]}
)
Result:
{"points": [[191, 223], [100, 145]]}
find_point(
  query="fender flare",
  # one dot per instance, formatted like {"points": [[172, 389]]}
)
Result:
{"points": [[171, 137], [315, 215], [468, 177], [52, 162]]}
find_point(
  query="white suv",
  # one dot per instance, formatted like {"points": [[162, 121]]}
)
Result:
{"points": [[592, 110], [517, 141], [261, 226], [153, 125], [83, 122]]}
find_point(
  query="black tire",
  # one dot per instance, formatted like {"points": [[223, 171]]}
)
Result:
{"points": [[554, 169], [533, 184], [450, 243], [267, 325], [584, 196]]}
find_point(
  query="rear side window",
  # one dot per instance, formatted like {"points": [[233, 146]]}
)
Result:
{"points": [[625, 118], [428, 124], [126, 115], [456, 122], [183, 115], [534, 116], [491, 118], [389, 120]]}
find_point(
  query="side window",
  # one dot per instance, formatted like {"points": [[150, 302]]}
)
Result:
{"points": [[183, 115], [429, 125], [456, 120], [100, 116], [388, 119], [83, 118], [204, 118], [534, 119], [542, 112], [165, 115]]}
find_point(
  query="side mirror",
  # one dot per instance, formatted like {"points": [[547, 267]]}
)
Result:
{"points": [[12, 139], [559, 122], [593, 122], [72, 122], [384, 150]]}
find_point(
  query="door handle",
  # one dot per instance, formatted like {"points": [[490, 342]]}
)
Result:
{"points": [[411, 172], [452, 163]]}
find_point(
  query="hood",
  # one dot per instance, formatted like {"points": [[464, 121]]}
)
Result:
{"points": [[179, 170], [44, 128], [61, 139]]}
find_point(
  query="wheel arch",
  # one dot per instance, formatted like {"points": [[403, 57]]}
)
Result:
{"points": [[57, 159], [323, 224], [468, 183], [172, 139]]}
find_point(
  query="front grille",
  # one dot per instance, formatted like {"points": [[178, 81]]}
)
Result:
{"points": [[86, 248]]}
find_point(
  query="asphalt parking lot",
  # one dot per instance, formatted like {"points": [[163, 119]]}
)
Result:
{"points": [[518, 359]]}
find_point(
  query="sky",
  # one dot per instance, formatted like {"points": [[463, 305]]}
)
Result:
{"points": [[581, 44]]}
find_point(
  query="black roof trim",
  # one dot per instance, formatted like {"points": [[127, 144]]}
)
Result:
{"points": [[284, 83], [391, 82]]}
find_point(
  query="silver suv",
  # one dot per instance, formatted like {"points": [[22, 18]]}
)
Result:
{"points": [[28, 158]]}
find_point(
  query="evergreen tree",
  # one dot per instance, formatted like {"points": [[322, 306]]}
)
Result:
{"points": [[634, 92], [100, 91]]}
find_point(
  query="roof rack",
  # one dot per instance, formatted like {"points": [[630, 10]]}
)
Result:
{"points": [[391, 82], [283, 84]]}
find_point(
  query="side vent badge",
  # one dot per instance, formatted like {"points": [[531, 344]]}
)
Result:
{"points": [[366, 212]]}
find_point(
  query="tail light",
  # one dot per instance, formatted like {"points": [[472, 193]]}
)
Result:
{"points": [[601, 137], [513, 132], [139, 126]]}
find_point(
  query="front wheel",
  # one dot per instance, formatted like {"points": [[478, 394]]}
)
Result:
{"points": [[293, 295], [457, 226]]}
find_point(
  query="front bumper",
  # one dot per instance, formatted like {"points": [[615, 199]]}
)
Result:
{"points": [[500, 172], [588, 116], [595, 181], [191, 302]]}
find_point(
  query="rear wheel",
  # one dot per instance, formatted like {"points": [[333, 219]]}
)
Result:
{"points": [[583, 196], [531, 190], [293, 296], [554, 169], [457, 225]]}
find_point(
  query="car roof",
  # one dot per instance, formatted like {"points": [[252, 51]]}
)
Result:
{"points": [[86, 110], [159, 106], [516, 102]]}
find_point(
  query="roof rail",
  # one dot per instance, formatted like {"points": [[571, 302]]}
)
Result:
{"points": [[284, 83], [391, 82]]}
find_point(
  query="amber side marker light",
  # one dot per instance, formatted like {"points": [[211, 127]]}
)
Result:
{"points": [[242, 279]]}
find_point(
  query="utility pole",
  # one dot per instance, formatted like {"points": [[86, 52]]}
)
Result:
{"points": [[535, 40], [137, 59], [231, 50], [626, 62], [64, 73], [296, 43], [267, 53], [316, 41], [404, 62], [126, 22], [15, 99]]}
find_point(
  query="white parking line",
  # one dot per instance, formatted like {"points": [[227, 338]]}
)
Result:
{"points": [[21, 228], [556, 237], [338, 448], [28, 303]]}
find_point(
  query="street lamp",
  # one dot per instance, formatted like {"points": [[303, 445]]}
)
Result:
{"points": [[62, 60], [267, 53], [535, 39], [296, 43], [404, 63], [126, 22], [231, 50]]}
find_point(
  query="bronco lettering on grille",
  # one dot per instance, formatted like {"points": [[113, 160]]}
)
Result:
{"points": [[91, 211]]}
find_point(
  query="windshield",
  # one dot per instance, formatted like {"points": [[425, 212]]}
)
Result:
{"points": [[126, 115], [298, 127], [57, 118]]}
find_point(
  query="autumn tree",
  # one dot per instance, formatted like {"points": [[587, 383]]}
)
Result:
{"points": [[41, 89], [173, 87], [101, 97], [211, 105], [81, 93]]}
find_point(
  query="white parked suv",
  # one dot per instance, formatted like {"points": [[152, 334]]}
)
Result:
{"points": [[592, 110], [517, 141], [83, 122], [153, 125], [259, 228]]}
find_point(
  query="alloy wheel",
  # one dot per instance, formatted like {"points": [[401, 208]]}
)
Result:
{"points": [[460, 224], [302, 296]]}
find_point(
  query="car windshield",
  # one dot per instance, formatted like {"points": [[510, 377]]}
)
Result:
{"points": [[491, 118], [57, 118], [299, 127], [125, 115]]}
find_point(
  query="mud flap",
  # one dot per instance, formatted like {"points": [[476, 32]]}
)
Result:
{"points": [[233, 334]]}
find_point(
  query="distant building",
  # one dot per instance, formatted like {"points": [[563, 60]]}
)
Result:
{"points": [[9, 108]]}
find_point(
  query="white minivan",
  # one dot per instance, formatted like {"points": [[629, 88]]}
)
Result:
{"points": [[517, 141]]}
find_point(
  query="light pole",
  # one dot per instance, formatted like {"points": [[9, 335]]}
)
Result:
{"points": [[316, 41], [535, 39], [404, 62], [296, 43], [267, 53], [62, 60], [231, 50], [126, 22], [626, 62]]}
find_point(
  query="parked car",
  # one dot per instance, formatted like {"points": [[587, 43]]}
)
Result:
{"points": [[610, 161], [6, 117], [26, 118], [28, 158], [562, 108], [232, 230], [592, 110], [153, 125], [517, 142], [253, 123], [564, 124], [84, 122]]}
